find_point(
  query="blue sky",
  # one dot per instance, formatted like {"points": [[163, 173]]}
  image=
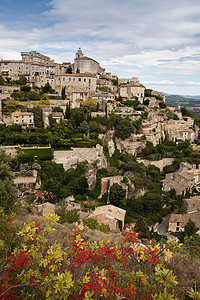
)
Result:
{"points": [[155, 40]]}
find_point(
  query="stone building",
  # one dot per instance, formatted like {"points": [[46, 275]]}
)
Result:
{"points": [[84, 64], [57, 116], [25, 119], [132, 90], [182, 181], [109, 215], [72, 82], [177, 222], [38, 69], [27, 182], [192, 204]]}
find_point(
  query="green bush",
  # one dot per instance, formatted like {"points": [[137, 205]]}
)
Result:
{"points": [[93, 224], [104, 228], [70, 216]]}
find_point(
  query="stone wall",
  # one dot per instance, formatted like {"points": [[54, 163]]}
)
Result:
{"points": [[70, 158], [10, 150], [158, 163], [111, 222], [6, 91]]}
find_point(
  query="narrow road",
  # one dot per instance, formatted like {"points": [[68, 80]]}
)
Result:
{"points": [[163, 227]]}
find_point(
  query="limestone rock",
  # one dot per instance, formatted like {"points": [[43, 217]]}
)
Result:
{"points": [[91, 176]]}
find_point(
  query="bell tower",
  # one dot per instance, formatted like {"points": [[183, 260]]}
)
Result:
{"points": [[79, 53]]}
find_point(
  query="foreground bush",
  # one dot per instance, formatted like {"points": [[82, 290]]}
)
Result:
{"points": [[40, 268]]}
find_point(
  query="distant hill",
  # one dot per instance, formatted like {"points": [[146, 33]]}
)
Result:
{"points": [[176, 100]]}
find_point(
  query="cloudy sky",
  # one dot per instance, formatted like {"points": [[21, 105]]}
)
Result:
{"points": [[155, 40]]}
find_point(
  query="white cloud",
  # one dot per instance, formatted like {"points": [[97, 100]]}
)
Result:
{"points": [[130, 37]]}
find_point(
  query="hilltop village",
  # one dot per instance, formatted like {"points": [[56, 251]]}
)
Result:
{"points": [[109, 148]]}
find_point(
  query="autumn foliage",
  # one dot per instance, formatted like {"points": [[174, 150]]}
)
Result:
{"points": [[38, 267]]}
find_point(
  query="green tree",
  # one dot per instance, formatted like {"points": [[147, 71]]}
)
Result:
{"points": [[62, 130], [141, 226], [67, 111], [25, 88], [22, 80], [84, 127], [2, 80], [190, 228], [47, 88], [117, 195], [8, 191], [63, 93], [69, 70], [38, 120]]}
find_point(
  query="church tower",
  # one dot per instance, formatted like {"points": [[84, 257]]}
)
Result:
{"points": [[79, 53]]}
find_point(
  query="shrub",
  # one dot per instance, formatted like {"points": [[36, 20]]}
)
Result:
{"points": [[42, 269], [91, 223], [70, 216]]}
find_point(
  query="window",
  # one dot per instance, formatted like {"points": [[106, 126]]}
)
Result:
{"points": [[69, 78], [74, 79], [63, 79], [79, 79], [84, 79]]}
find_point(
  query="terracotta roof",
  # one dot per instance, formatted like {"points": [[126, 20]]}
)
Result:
{"points": [[57, 114], [193, 200], [110, 211], [86, 58], [186, 175], [176, 185], [77, 75]]}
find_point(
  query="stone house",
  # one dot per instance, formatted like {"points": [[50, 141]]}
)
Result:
{"points": [[132, 90], [27, 182], [192, 204], [181, 181], [57, 116], [109, 215], [25, 119], [177, 222]]}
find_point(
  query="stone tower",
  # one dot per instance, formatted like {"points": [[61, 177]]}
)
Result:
{"points": [[79, 53]]}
